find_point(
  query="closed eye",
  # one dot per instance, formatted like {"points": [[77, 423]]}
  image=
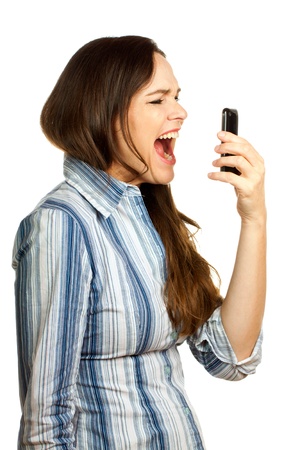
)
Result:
{"points": [[156, 102], [159, 101]]}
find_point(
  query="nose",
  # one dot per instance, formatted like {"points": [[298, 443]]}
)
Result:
{"points": [[178, 113]]}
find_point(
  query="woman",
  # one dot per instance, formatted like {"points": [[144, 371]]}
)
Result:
{"points": [[108, 278]]}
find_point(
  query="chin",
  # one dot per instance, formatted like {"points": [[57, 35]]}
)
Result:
{"points": [[157, 176], [165, 178]]}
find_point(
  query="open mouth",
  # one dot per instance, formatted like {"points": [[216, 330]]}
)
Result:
{"points": [[163, 146]]}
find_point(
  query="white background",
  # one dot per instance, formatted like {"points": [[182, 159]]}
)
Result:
{"points": [[239, 54]]}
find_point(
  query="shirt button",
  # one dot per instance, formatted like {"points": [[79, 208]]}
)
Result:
{"points": [[167, 370], [174, 335], [187, 411]]}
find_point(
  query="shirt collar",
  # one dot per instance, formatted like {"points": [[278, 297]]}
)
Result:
{"points": [[104, 192]]}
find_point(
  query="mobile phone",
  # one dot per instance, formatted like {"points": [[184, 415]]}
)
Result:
{"points": [[230, 122]]}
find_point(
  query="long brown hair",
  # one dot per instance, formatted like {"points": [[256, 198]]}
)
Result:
{"points": [[96, 88]]}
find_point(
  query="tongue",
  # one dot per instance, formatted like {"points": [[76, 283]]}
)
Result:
{"points": [[158, 145]]}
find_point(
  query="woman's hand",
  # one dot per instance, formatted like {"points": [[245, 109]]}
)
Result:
{"points": [[249, 185], [243, 308]]}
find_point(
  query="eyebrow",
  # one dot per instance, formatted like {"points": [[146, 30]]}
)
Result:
{"points": [[162, 91]]}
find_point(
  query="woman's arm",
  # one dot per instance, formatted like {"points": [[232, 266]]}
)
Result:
{"points": [[243, 307], [51, 287]]}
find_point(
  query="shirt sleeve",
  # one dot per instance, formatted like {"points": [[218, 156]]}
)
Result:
{"points": [[212, 349], [53, 277]]}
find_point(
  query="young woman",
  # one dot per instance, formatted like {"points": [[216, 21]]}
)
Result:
{"points": [[108, 278]]}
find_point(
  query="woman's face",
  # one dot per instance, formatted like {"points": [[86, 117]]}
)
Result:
{"points": [[154, 118]]}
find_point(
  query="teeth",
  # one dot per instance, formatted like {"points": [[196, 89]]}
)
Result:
{"points": [[174, 135], [169, 157]]}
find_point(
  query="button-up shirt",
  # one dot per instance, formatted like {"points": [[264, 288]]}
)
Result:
{"points": [[99, 366]]}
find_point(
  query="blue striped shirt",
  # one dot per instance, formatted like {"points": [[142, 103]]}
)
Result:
{"points": [[99, 366]]}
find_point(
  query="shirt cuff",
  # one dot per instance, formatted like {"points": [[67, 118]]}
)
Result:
{"points": [[212, 337]]}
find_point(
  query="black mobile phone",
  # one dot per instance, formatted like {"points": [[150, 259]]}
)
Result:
{"points": [[230, 122]]}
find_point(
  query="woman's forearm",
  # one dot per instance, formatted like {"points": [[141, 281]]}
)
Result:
{"points": [[243, 308]]}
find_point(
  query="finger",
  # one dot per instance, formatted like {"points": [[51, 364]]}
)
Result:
{"points": [[225, 177], [237, 162], [241, 148], [226, 136]]}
